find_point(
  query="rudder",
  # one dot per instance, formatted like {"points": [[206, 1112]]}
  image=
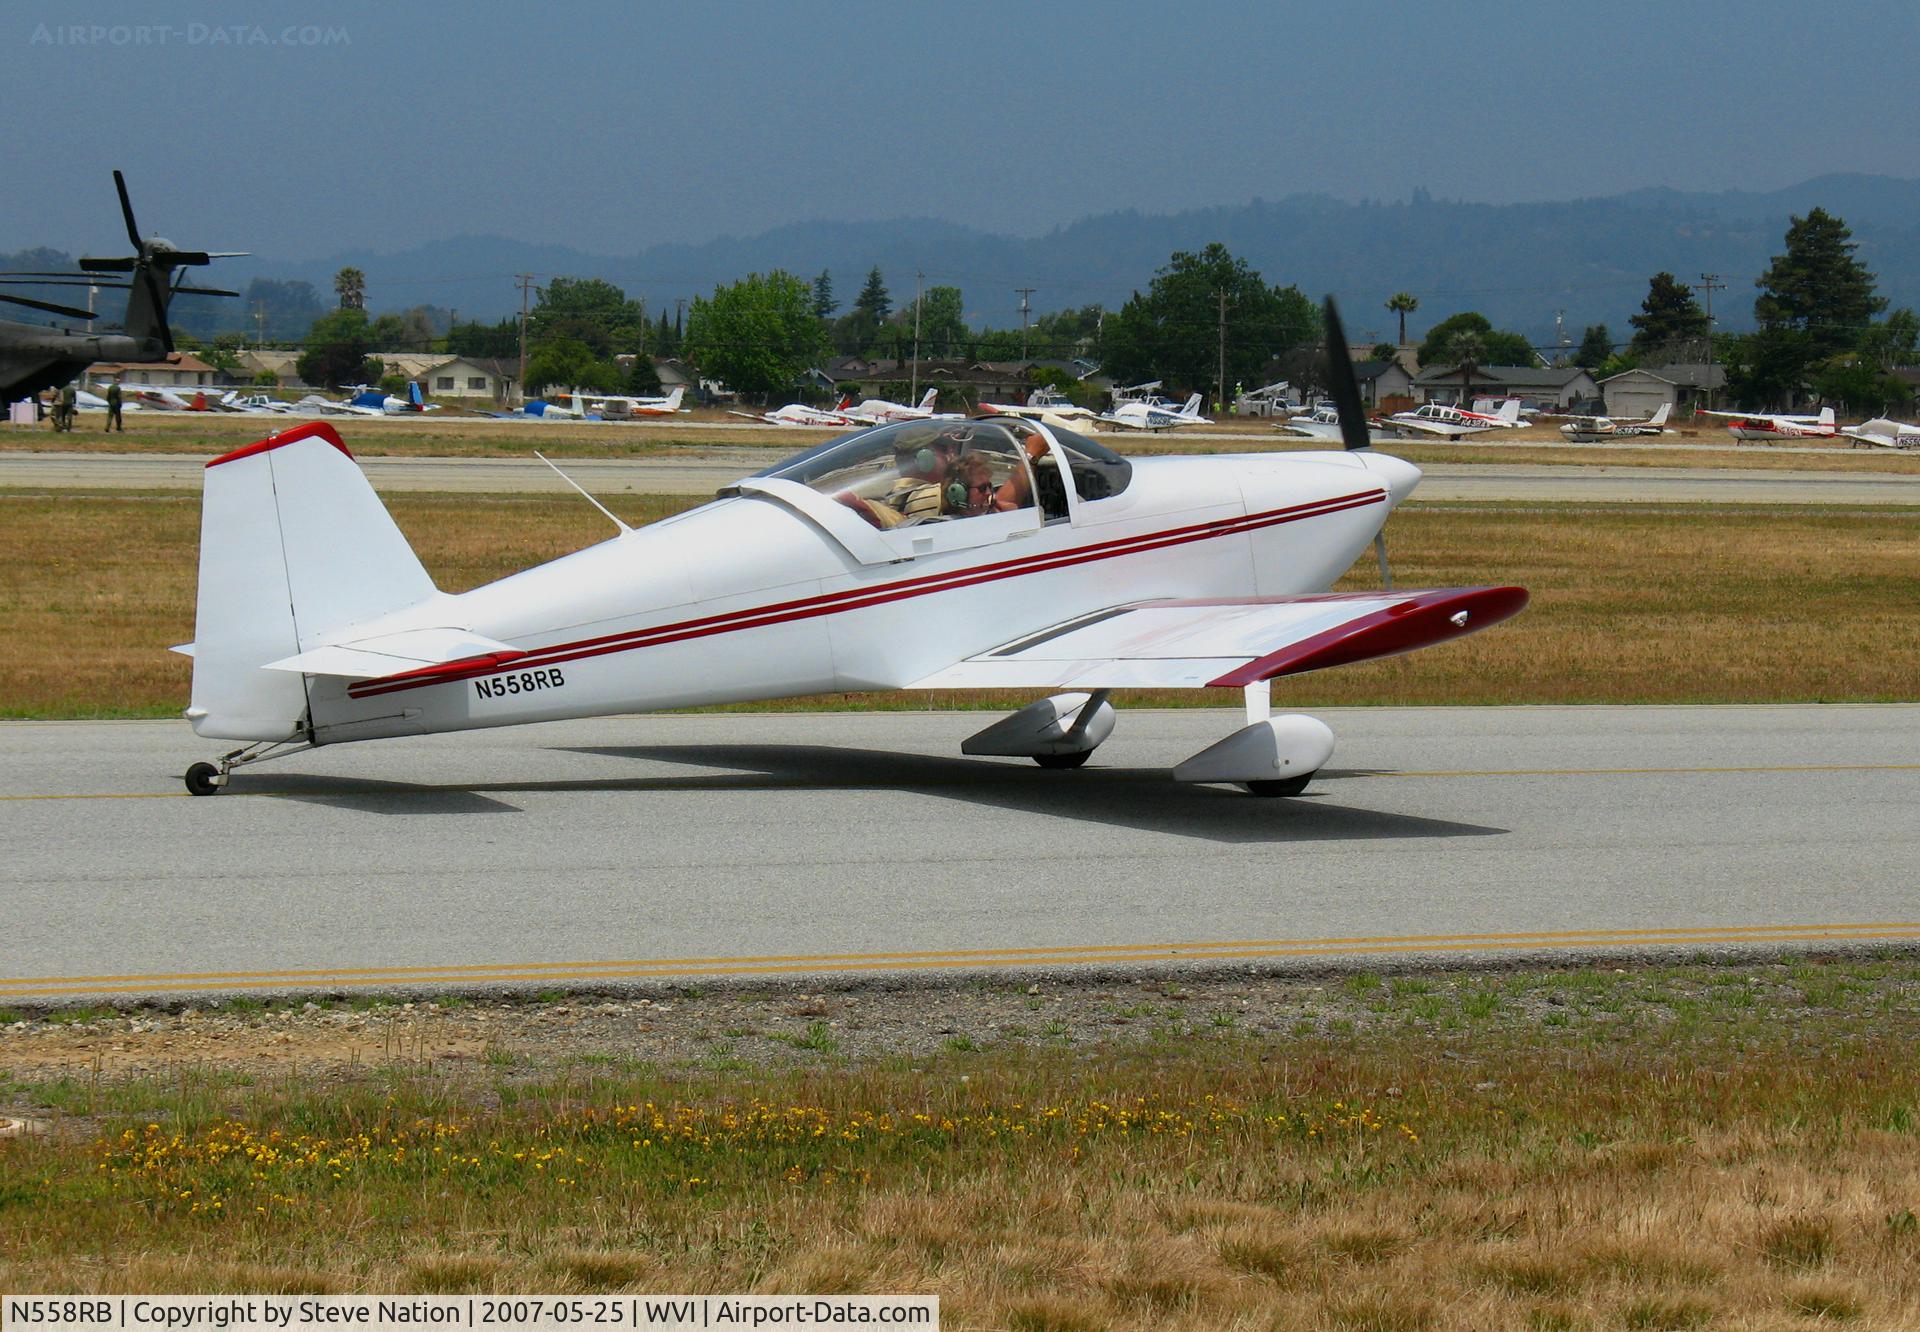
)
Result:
{"points": [[294, 545]]}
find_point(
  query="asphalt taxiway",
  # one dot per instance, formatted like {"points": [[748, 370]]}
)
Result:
{"points": [[814, 846]]}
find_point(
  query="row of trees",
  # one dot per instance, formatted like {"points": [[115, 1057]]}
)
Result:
{"points": [[1816, 329], [1206, 319]]}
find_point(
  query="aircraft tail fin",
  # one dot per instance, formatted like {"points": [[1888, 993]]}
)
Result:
{"points": [[927, 399], [1509, 410], [1659, 418], [413, 393], [1826, 416], [294, 545], [673, 398], [1193, 406]]}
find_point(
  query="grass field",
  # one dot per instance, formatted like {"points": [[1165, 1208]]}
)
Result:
{"points": [[1630, 605], [1734, 1146], [203, 435]]}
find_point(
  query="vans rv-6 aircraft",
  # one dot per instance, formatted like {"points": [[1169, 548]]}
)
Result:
{"points": [[922, 555]]}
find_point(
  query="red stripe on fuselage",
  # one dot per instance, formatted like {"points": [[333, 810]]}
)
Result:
{"points": [[859, 598]]}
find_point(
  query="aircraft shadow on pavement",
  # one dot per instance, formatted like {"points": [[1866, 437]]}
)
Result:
{"points": [[1143, 798]]}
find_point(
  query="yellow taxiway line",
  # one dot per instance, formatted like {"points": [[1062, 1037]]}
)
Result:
{"points": [[509, 973]]}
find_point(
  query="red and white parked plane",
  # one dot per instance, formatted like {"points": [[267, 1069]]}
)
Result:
{"points": [[1761, 426], [799, 414], [1450, 422], [1017, 555]]}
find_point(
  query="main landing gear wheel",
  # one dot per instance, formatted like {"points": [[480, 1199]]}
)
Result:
{"points": [[1078, 760], [202, 780], [1291, 786]]}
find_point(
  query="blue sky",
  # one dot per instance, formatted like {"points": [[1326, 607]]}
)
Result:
{"points": [[304, 129]]}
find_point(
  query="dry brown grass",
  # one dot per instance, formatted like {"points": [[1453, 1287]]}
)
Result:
{"points": [[1682, 605], [1781, 1197]]}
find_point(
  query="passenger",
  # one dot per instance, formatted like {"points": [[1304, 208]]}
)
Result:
{"points": [[977, 493]]}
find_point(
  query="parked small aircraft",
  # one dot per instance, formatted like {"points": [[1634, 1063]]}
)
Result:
{"points": [[1156, 414], [1593, 429], [920, 555], [1449, 422], [1885, 434], [1049, 407], [1762, 426], [878, 411], [614, 406], [1323, 422], [799, 414]]}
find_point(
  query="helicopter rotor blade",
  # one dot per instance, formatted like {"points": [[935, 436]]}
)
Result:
{"points": [[126, 211], [66, 310]]}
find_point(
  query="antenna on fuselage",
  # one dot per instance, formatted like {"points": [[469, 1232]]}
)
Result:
{"points": [[583, 491]]}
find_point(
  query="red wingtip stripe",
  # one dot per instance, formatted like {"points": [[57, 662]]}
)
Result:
{"points": [[312, 430], [1423, 619], [479, 664]]}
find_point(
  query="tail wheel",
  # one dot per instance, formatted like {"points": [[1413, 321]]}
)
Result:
{"points": [[1078, 760], [201, 780], [1291, 786]]}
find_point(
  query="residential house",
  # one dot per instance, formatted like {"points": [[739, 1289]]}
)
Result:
{"points": [[179, 370], [1555, 389], [471, 377], [1681, 388]]}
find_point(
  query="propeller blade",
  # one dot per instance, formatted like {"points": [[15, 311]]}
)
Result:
{"points": [[49, 307], [109, 265], [126, 211], [182, 258], [1380, 549], [1346, 389], [228, 254]]}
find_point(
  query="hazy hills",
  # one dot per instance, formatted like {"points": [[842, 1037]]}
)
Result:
{"points": [[1517, 263]]}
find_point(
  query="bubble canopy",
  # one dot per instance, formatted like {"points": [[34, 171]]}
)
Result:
{"points": [[938, 451]]}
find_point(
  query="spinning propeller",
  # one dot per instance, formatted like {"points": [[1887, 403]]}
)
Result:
{"points": [[1353, 415]]}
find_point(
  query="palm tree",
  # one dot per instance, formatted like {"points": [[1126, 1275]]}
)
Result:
{"points": [[1467, 347], [1403, 303], [350, 285]]}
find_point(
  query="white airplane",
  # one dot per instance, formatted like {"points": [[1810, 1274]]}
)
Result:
{"points": [[612, 406], [799, 414], [1156, 414], [1049, 408], [1593, 429], [1449, 422], [1760, 425], [878, 411], [1016, 556], [1500, 413], [1324, 423], [1885, 434], [371, 401]]}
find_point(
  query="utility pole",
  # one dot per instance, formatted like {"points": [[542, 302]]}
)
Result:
{"points": [[1560, 337], [919, 280], [526, 287], [260, 321], [1220, 380], [453, 322], [1024, 308], [1710, 283]]}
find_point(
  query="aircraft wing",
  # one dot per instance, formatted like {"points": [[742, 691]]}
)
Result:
{"points": [[1228, 643], [1439, 428], [408, 652]]}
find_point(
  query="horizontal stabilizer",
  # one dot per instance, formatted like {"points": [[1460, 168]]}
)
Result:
{"points": [[391, 654], [1229, 643]]}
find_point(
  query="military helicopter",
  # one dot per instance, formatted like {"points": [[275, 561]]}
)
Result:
{"points": [[35, 357]]}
